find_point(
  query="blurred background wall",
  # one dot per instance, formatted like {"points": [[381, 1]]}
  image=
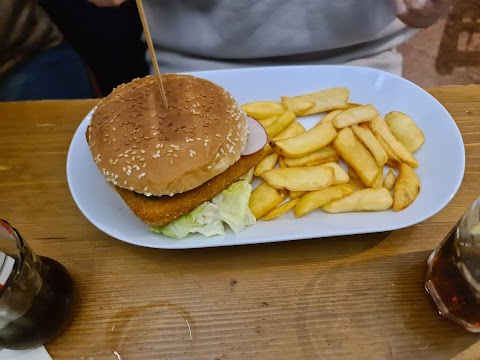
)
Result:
{"points": [[447, 52]]}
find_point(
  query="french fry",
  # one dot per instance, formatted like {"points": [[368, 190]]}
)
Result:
{"points": [[267, 121], [294, 128], [354, 115], [329, 117], [291, 130], [352, 105], [362, 200], [381, 128], [263, 109], [319, 198], [341, 176], [405, 130], [298, 106], [326, 100], [354, 179], [407, 187], [280, 124], [305, 143], [389, 180], [264, 198], [296, 194], [393, 160], [356, 155], [300, 178], [377, 184], [366, 136], [319, 157], [280, 210], [267, 163], [281, 162]]}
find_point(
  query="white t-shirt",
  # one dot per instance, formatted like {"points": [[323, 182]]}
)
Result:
{"points": [[213, 34]]}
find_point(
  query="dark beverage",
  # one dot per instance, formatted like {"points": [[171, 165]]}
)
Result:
{"points": [[453, 276], [458, 298], [36, 294], [49, 313]]}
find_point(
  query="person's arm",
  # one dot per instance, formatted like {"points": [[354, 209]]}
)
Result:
{"points": [[107, 3], [421, 13]]}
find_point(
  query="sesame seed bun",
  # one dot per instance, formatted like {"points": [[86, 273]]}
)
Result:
{"points": [[141, 146]]}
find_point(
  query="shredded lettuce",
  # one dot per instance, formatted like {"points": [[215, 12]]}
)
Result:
{"points": [[233, 206], [230, 207], [204, 219]]}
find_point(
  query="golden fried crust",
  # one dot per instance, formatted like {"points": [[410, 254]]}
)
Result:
{"points": [[161, 210]]}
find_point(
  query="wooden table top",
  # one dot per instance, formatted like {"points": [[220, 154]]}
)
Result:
{"points": [[351, 297]]}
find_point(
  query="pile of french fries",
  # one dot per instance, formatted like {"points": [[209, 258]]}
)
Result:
{"points": [[351, 160]]}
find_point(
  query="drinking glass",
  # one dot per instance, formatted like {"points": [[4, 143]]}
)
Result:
{"points": [[36, 294], [453, 275]]}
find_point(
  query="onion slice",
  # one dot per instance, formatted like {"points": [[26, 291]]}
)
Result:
{"points": [[257, 137]]}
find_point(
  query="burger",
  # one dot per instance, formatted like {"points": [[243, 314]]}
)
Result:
{"points": [[165, 162]]}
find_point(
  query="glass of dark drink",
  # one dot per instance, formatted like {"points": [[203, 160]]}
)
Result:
{"points": [[453, 275], [36, 294]]}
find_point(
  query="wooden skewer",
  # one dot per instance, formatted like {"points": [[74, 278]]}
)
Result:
{"points": [[146, 30]]}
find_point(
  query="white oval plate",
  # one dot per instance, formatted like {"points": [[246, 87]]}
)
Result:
{"points": [[441, 159]]}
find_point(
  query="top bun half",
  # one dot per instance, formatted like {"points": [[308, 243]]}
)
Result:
{"points": [[140, 145]]}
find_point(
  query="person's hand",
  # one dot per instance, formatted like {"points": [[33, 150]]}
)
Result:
{"points": [[107, 3], [421, 13]]}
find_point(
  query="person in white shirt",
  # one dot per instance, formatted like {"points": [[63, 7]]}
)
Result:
{"points": [[191, 35]]}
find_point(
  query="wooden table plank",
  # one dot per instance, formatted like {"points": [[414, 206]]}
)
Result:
{"points": [[358, 297]]}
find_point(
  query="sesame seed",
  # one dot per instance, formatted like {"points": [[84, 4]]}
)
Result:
{"points": [[171, 162]]}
